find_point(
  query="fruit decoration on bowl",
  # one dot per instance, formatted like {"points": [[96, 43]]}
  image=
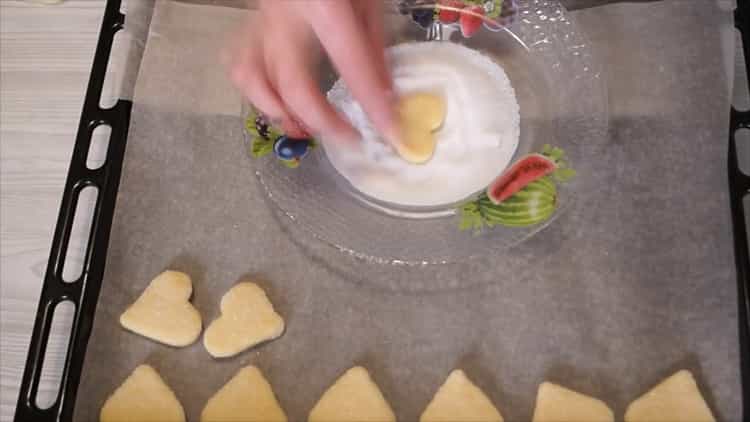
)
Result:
{"points": [[468, 15], [266, 139], [524, 195]]}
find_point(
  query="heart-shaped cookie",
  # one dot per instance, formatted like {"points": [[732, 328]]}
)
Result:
{"points": [[164, 313], [247, 318], [420, 115], [555, 403], [458, 399], [247, 397], [354, 397], [142, 397]]}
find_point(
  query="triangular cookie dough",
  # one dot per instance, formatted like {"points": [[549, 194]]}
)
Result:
{"points": [[458, 399], [247, 318], [164, 313], [676, 399], [143, 397], [558, 404], [247, 397], [353, 398]]}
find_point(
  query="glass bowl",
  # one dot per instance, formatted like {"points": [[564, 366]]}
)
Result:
{"points": [[562, 105]]}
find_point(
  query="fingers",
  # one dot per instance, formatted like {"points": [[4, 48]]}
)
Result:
{"points": [[351, 50], [274, 70], [254, 85], [248, 72], [301, 94], [371, 17], [294, 78]]}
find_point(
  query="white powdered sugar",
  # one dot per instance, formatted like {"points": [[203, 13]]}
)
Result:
{"points": [[476, 143]]}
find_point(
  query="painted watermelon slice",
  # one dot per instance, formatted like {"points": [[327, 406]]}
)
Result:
{"points": [[526, 170]]}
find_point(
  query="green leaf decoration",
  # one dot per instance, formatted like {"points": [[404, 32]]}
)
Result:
{"points": [[261, 147], [564, 175], [250, 123], [292, 164], [496, 9], [554, 153], [471, 217]]}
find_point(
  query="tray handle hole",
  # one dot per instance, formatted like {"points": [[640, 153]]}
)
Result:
{"points": [[75, 255], [54, 357], [114, 77], [97, 155]]}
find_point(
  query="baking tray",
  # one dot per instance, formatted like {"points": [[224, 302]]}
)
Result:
{"points": [[84, 292], [739, 187]]}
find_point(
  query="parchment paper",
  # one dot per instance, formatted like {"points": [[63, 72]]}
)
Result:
{"points": [[629, 286]]}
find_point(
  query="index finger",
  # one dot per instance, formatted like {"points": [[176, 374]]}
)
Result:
{"points": [[358, 60]]}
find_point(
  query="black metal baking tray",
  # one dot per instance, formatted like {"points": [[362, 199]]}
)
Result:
{"points": [[84, 292], [739, 186]]}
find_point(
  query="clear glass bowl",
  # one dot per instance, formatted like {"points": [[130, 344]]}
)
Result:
{"points": [[562, 102]]}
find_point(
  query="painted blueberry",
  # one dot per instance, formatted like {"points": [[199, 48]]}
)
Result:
{"points": [[287, 148], [423, 17]]}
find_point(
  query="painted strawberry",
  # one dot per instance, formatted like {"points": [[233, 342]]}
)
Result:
{"points": [[449, 15], [471, 20]]}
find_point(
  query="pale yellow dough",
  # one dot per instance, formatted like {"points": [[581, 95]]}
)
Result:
{"points": [[164, 313], [458, 399], [420, 115], [676, 399], [353, 398], [143, 397], [247, 397], [247, 318], [559, 404]]}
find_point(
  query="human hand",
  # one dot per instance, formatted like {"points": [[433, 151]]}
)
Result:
{"points": [[274, 61]]}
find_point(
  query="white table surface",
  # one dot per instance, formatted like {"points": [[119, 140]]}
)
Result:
{"points": [[45, 60]]}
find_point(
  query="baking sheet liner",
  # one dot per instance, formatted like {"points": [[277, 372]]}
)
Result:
{"points": [[632, 284]]}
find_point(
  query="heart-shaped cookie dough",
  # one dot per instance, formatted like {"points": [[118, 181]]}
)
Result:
{"points": [[677, 398], [353, 398], [555, 403], [458, 399], [420, 115], [247, 318], [247, 397], [142, 397], [164, 312]]}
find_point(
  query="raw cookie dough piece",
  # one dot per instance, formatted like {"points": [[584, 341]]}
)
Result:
{"points": [[143, 397], [676, 399], [247, 397], [164, 313], [458, 399], [247, 318], [420, 114], [558, 404], [353, 398]]}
